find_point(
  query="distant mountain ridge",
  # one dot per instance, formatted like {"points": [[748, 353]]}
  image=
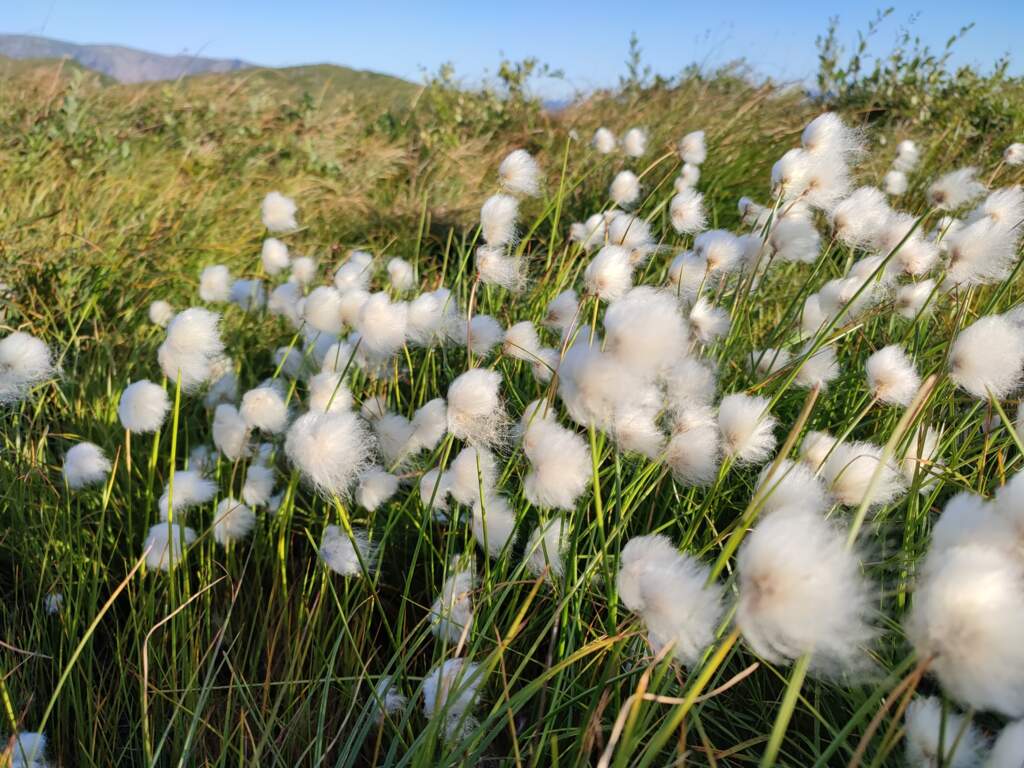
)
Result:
{"points": [[126, 65]]}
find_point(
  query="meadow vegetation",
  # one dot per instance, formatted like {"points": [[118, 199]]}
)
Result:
{"points": [[794, 466]]}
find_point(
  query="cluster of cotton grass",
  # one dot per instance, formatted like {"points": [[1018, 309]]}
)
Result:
{"points": [[637, 364]]}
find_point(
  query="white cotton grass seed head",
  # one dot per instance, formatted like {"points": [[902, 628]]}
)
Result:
{"points": [[933, 734], [562, 310], [264, 408], [498, 219], [770, 361], [258, 486], [686, 211], [472, 475], [376, 486], [545, 546], [891, 375], [625, 189], [955, 189], [354, 274], [278, 212], [495, 267], [719, 249], [215, 284], [688, 177], [746, 427], [160, 313], [166, 544], [85, 464], [645, 330], [233, 521], [191, 347], [348, 554], [248, 294], [394, 437], [27, 749], [603, 141], [143, 407], [693, 451], [401, 274], [987, 357], [827, 136], [493, 524], [968, 617], [907, 156], [230, 432], [285, 301], [858, 219], [322, 309], [388, 698], [708, 323], [692, 148], [382, 324], [519, 174], [802, 592], [634, 142], [795, 239], [329, 449], [476, 413], [560, 465], [429, 317], [590, 233], [25, 361], [434, 489], [849, 472], [610, 273], [1003, 208], [1014, 154], [687, 275], [818, 370], [303, 271], [980, 253], [481, 334], [274, 256], [671, 593], [1008, 749], [792, 485], [451, 615], [450, 689], [521, 341], [429, 424], [632, 233], [911, 298], [188, 489], [895, 183]]}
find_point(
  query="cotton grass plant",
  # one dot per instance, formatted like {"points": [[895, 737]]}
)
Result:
{"points": [[619, 466]]}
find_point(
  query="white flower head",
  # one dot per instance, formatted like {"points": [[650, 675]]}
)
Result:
{"points": [[230, 432], [892, 377], [160, 313], [451, 615], [85, 464], [376, 486], [610, 273], [165, 545], [634, 142], [329, 449], [669, 591], [264, 408], [625, 189], [604, 141], [348, 555], [401, 274], [476, 413], [472, 476], [987, 357], [686, 211], [802, 591], [278, 212], [692, 148], [519, 173], [25, 361], [693, 452], [747, 428], [191, 347], [962, 744], [274, 256], [143, 406], [233, 521], [545, 546], [498, 219], [955, 189], [215, 284], [188, 489], [493, 523]]}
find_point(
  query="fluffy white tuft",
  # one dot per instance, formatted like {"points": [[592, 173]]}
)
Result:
{"points": [[624, 189], [143, 406], [264, 408], [329, 449], [401, 274], [161, 313], [610, 274], [475, 410], [955, 189], [375, 487], [747, 428], [24, 362], [692, 148], [498, 219], [191, 347], [931, 735], [274, 256], [493, 524], [85, 465], [215, 284], [519, 173], [987, 357], [165, 545], [892, 377], [233, 521], [604, 141], [348, 555], [278, 212], [670, 592]]}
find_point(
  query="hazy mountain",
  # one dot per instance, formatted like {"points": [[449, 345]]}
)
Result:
{"points": [[126, 65]]}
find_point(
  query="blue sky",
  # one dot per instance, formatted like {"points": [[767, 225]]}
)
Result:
{"points": [[587, 41]]}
